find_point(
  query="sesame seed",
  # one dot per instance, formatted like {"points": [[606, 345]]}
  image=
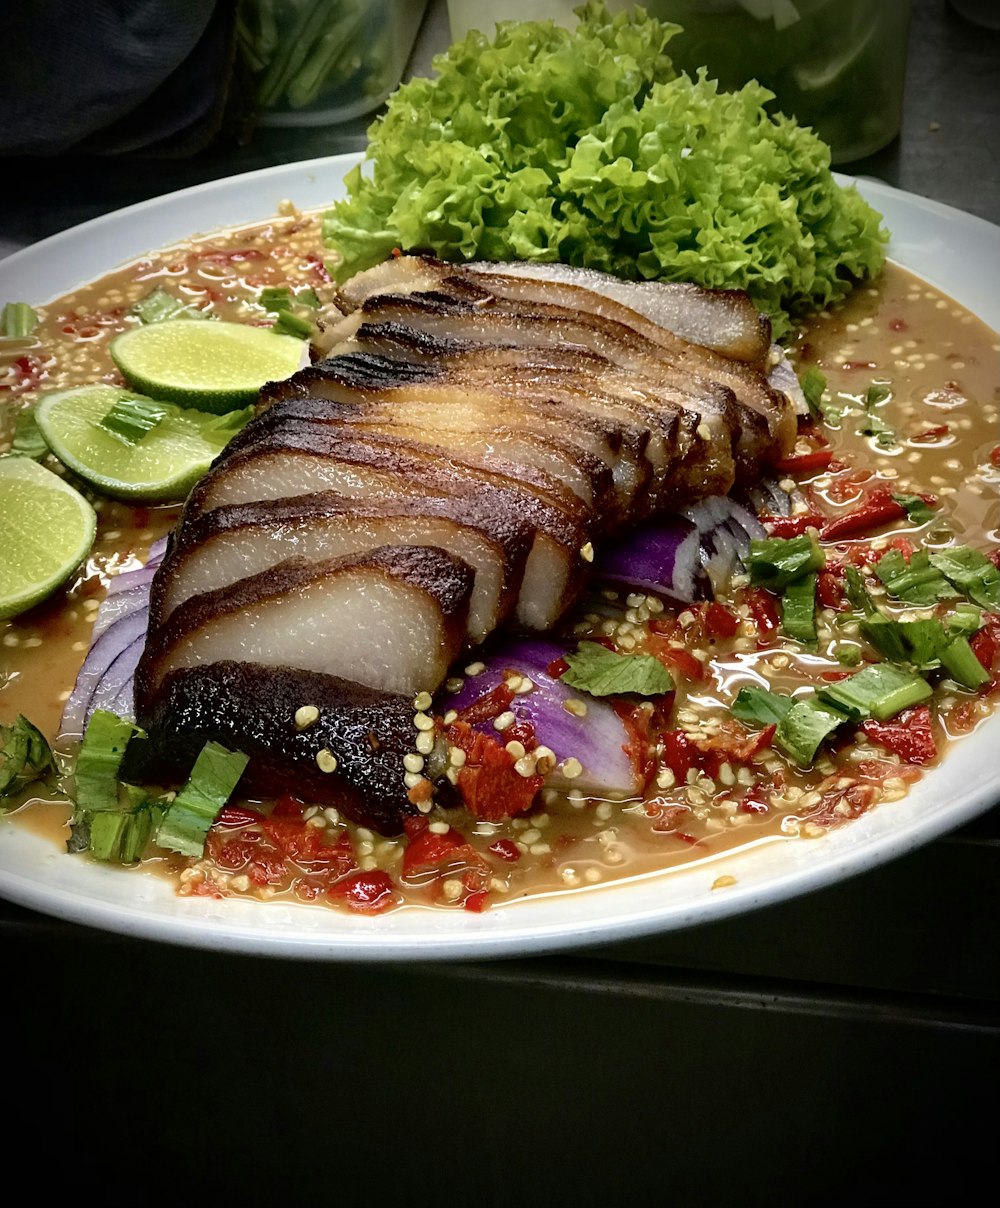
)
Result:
{"points": [[412, 779], [326, 760], [571, 768], [525, 766], [504, 721], [475, 669], [450, 716], [413, 762], [422, 701], [305, 716], [423, 721], [515, 748], [457, 757], [575, 706]]}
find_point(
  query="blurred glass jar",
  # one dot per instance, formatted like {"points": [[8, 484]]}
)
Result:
{"points": [[836, 65], [319, 62]]}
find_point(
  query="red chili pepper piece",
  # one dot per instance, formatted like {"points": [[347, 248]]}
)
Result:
{"points": [[236, 815], [878, 509], [793, 526], [366, 892], [491, 705], [720, 622], [995, 455], [829, 591], [490, 785], [930, 434], [805, 463], [506, 849], [910, 735], [763, 610]]}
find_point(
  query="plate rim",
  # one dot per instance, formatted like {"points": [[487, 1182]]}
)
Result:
{"points": [[494, 934]]}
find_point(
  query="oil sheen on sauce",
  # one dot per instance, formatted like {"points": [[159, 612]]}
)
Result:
{"points": [[938, 361]]}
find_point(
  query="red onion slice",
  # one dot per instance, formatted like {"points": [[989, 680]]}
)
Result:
{"points": [[663, 557]]}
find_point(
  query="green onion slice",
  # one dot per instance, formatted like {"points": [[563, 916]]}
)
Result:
{"points": [[187, 819]]}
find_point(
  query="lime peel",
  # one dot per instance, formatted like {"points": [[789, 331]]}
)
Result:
{"points": [[212, 366], [48, 530], [160, 467]]}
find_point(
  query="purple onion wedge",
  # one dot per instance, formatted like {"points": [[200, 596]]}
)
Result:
{"points": [[664, 557]]}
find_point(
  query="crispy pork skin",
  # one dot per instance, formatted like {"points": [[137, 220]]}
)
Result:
{"points": [[392, 619], [251, 708]]}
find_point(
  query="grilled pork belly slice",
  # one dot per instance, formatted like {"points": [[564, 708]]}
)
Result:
{"points": [[432, 400], [251, 708], [226, 544], [392, 619], [459, 432], [733, 400], [724, 320], [292, 458], [685, 458]]}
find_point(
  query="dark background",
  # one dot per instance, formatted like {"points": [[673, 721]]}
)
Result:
{"points": [[841, 1048]]}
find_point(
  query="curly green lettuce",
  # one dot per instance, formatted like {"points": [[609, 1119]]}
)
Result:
{"points": [[586, 147]]}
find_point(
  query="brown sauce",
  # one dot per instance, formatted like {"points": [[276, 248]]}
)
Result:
{"points": [[938, 362]]}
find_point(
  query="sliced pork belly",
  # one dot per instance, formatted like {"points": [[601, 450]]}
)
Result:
{"points": [[300, 457], [392, 619], [687, 457], [226, 544], [724, 320], [251, 708], [458, 432], [439, 398], [731, 398]]}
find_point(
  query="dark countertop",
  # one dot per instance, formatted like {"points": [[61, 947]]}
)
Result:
{"points": [[835, 1047]]}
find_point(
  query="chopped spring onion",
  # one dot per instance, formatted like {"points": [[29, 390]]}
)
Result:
{"points": [[17, 320], [275, 298], [308, 297], [959, 660], [120, 836], [883, 433], [159, 305], [917, 581], [880, 691], [289, 324], [131, 418], [187, 819], [602, 672], [971, 573], [965, 620], [857, 593], [25, 758], [798, 609], [104, 742], [774, 562]]}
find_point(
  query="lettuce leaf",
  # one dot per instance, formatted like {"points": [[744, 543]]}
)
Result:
{"points": [[586, 147]]}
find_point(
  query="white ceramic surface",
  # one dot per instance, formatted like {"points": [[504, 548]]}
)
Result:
{"points": [[955, 252]]}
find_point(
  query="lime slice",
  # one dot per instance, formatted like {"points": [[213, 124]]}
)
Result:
{"points": [[163, 466], [214, 366], [47, 531]]}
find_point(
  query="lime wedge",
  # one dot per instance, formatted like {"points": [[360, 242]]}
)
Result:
{"points": [[214, 366], [47, 531], [160, 467]]}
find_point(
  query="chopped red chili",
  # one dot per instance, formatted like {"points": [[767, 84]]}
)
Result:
{"points": [[910, 735]]}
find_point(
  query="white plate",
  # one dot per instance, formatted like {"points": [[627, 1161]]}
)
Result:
{"points": [[953, 251]]}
